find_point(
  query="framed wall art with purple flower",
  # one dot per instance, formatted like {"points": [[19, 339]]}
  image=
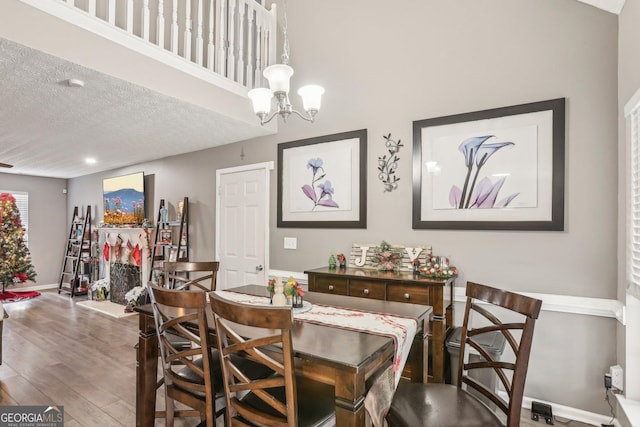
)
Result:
{"points": [[499, 169], [322, 181]]}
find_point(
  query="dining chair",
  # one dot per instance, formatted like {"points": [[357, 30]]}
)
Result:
{"points": [[192, 374], [185, 275], [282, 399], [188, 275], [448, 405]]}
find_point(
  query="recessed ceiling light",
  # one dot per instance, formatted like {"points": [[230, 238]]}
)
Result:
{"points": [[90, 161], [75, 83]]}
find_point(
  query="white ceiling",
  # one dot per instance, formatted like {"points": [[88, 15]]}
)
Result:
{"points": [[48, 128]]}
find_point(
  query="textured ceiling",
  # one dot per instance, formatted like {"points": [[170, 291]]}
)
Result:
{"points": [[48, 128]]}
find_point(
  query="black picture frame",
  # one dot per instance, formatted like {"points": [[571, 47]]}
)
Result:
{"points": [[301, 203], [539, 130]]}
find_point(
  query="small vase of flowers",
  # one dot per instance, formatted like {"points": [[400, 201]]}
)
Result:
{"points": [[136, 296], [100, 289], [293, 290], [271, 287]]}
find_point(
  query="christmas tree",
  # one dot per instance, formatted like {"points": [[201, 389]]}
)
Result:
{"points": [[15, 262]]}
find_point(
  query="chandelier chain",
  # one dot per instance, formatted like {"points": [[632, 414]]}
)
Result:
{"points": [[285, 50]]}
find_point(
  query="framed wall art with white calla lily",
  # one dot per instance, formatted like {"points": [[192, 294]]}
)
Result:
{"points": [[499, 169]]}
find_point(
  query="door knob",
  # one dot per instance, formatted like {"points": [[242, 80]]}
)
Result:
{"points": [[259, 268]]}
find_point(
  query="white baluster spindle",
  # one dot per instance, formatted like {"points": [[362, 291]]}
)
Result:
{"points": [[223, 43], [211, 48], [257, 79], [231, 54], [92, 8], [251, 37], [160, 24], [145, 20], [111, 11], [187, 31], [240, 44], [199, 42], [174, 27], [129, 16]]}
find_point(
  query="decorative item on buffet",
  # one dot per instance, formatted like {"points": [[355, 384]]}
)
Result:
{"points": [[342, 261], [416, 266], [332, 262], [386, 258], [438, 267]]}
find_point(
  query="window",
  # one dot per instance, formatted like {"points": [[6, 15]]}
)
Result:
{"points": [[633, 245], [22, 202], [632, 300]]}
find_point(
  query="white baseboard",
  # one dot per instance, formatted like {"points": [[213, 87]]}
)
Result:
{"points": [[570, 413], [34, 288]]}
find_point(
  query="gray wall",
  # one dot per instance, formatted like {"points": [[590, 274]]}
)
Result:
{"points": [[48, 227], [419, 59]]}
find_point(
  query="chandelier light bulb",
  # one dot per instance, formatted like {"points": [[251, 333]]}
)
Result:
{"points": [[261, 99], [311, 97], [278, 76]]}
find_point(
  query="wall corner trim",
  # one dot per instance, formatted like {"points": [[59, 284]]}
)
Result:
{"points": [[600, 307]]}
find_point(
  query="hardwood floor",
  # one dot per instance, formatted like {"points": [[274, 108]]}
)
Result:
{"points": [[57, 353]]}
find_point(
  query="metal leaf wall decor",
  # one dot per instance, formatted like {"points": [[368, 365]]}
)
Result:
{"points": [[388, 165]]}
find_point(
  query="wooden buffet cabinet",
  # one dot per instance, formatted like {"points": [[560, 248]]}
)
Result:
{"points": [[399, 286]]}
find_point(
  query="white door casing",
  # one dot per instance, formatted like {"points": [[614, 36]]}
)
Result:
{"points": [[242, 224]]}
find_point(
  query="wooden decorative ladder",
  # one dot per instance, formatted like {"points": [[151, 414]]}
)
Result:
{"points": [[179, 244], [75, 274]]}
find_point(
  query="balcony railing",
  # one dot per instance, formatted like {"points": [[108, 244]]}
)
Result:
{"points": [[233, 38]]}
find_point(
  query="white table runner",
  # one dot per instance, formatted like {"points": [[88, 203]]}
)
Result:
{"points": [[402, 329]]}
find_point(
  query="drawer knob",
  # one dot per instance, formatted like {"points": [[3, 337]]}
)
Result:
{"points": [[330, 287], [366, 291], [407, 296]]}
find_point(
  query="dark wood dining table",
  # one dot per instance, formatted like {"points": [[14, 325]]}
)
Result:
{"points": [[338, 356]]}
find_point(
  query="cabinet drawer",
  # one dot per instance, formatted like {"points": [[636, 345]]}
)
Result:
{"points": [[366, 289], [415, 294], [330, 285]]}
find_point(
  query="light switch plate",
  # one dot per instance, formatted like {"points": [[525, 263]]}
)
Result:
{"points": [[290, 243]]}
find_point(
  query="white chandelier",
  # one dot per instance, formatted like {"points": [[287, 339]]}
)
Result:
{"points": [[278, 76]]}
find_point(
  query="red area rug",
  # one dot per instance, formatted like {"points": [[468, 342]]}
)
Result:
{"points": [[13, 296]]}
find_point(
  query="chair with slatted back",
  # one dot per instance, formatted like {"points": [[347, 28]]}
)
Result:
{"points": [[281, 399], [188, 275], [447, 405], [192, 374]]}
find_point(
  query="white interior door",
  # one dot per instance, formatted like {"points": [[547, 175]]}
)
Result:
{"points": [[242, 225]]}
